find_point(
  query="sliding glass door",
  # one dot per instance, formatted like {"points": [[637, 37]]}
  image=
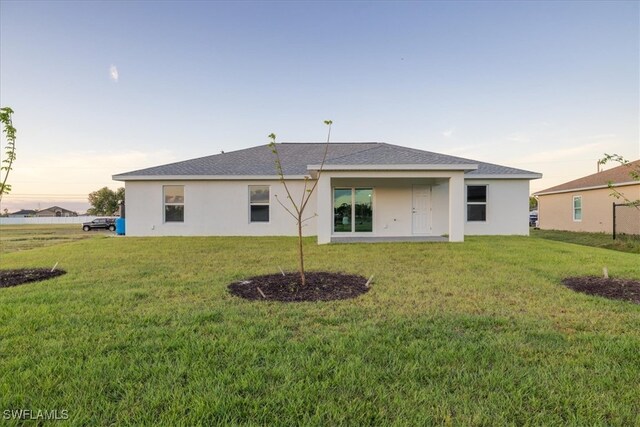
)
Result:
{"points": [[352, 210]]}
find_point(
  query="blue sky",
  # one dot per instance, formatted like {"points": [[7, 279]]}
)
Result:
{"points": [[543, 86]]}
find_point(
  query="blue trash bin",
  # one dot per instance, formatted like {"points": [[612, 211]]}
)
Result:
{"points": [[120, 226]]}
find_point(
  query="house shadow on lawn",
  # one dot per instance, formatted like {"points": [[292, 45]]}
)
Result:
{"points": [[616, 289], [320, 286]]}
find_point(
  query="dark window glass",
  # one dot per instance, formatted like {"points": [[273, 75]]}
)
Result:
{"points": [[260, 213], [174, 194], [476, 193], [258, 203], [352, 210], [173, 213], [476, 212], [342, 210], [363, 210], [259, 194]]}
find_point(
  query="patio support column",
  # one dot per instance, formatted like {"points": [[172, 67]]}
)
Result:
{"points": [[456, 207], [325, 214]]}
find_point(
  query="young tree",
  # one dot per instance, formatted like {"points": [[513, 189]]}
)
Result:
{"points": [[298, 208], [10, 149], [634, 174], [105, 201]]}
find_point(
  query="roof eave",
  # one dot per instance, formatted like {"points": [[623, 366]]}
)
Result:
{"points": [[394, 167], [505, 176], [125, 178], [593, 187]]}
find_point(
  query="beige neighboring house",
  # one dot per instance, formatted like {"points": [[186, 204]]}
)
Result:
{"points": [[586, 204]]}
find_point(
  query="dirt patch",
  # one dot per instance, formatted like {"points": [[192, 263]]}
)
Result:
{"points": [[320, 286], [10, 278], [620, 289]]}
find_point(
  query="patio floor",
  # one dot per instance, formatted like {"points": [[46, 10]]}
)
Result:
{"points": [[366, 239]]}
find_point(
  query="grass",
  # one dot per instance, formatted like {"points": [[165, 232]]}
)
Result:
{"points": [[623, 243], [15, 238], [143, 331]]}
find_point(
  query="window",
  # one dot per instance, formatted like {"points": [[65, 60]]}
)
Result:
{"points": [[577, 208], [173, 203], [476, 203], [259, 203], [352, 210]]}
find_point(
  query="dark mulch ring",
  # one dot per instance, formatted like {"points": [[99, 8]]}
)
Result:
{"points": [[26, 275], [621, 289], [320, 286]]}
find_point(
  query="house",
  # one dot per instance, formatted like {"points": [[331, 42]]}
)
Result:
{"points": [[55, 211], [22, 213], [586, 204], [366, 191]]}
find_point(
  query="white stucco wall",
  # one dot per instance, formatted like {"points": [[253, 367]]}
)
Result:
{"points": [[221, 208], [440, 211], [507, 208], [212, 208]]}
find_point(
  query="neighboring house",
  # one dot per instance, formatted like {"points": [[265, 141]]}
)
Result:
{"points": [[586, 204], [22, 213], [55, 211], [366, 190]]}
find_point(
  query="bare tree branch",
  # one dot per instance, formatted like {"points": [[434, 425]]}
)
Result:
{"points": [[324, 159], [311, 217], [286, 208], [306, 195]]}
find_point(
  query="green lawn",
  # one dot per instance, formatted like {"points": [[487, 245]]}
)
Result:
{"points": [[624, 243], [143, 331], [22, 237]]}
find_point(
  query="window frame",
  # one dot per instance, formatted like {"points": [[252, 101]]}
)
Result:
{"points": [[573, 208], [251, 204], [165, 204], [485, 203]]}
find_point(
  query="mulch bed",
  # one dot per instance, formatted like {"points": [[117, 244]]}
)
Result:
{"points": [[620, 289], [320, 286], [10, 278]]}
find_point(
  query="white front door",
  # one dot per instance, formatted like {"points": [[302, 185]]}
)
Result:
{"points": [[421, 210]]}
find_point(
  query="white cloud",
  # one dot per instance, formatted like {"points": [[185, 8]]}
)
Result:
{"points": [[519, 138], [113, 73], [448, 133]]}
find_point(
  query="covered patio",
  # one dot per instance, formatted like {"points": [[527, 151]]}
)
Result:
{"points": [[398, 205]]}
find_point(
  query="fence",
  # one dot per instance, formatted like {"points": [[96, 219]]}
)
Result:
{"points": [[49, 220], [626, 219]]}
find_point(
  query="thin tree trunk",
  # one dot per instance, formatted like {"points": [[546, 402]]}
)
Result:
{"points": [[301, 253]]}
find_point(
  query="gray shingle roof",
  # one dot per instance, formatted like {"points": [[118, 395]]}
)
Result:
{"points": [[295, 158], [618, 175]]}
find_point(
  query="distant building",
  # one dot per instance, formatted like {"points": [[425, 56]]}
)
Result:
{"points": [[585, 204], [22, 213], [55, 211]]}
